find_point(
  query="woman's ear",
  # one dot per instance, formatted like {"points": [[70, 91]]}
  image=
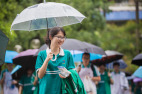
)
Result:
{"points": [[50, 37]]}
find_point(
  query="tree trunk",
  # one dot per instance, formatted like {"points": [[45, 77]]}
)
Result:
{"points": [[137, 29]]}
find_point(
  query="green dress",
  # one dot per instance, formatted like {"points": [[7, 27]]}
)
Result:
{"points": [[27, 84], [104, 85], [51, 82]]}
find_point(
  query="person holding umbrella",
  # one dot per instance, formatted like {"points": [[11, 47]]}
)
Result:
{"points": [[25, 83], [7, 82], [87, 72], [48, 60], [120, 85], [103, 86]]}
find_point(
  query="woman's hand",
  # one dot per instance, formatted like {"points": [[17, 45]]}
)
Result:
{"points": [[42, 70], [78, 69], [61, 76], [50, 56], [14, 82], [35, 80], [109, 75]]}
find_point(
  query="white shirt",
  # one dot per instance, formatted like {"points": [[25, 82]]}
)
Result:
{"points": [[87, 71], [7, 85], [120, 82]]}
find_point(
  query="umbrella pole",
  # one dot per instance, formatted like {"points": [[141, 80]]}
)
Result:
{"points": [[47, 28]]}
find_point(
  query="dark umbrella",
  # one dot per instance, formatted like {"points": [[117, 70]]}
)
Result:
{"points": [[73, 44], [3, 41], [121, 62], [117, 55], [94, 49], [108, 58], [137, 60], [27, 60]]}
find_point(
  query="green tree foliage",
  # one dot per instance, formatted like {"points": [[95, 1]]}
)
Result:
{"points": [[93, 21], [120, 38], [8, 11]]}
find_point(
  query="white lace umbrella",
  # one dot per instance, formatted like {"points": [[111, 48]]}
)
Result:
{"points": [[46, 15]]}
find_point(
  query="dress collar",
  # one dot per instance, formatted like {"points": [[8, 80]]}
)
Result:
{"points": [[61, 53], [87, 65], [117, 72]]}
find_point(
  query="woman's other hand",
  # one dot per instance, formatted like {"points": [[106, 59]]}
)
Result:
{"points": [[61, 76], [50, 56]]}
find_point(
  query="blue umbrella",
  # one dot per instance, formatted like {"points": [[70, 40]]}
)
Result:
{"points": [[123, 65], [16, 68], [138, 72], [77, 56], [9, 56]]}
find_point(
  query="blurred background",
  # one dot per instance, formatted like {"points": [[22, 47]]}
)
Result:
{"points": [[110, 24]]}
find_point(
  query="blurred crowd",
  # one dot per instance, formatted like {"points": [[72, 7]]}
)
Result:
{"points": [[96, 80]]}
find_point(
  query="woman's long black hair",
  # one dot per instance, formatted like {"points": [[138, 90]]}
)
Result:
{"points": [[52, 32]]}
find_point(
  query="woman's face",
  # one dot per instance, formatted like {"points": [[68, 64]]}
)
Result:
{"points": [[58, 39]]}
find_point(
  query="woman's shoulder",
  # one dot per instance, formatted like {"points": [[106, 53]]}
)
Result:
{"points": [[67, 51], [43, 52]]}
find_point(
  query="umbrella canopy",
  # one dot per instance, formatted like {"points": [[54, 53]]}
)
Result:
{"points": [[73, 44], [108, 58], [135, 80], [16, 69], [137, 60], [94, 49], [114, 53], [46, 15], [123, 65], [4, 41], [9, 56], [77, 56], [138, 72], [27, 60]]}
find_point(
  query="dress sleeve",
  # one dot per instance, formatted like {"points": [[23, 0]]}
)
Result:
{"points": [[70, 62], [21, 82], [39, 61]]}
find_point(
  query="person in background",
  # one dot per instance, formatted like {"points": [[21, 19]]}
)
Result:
{"points": [[35, 81], [103, 86], [131, 86], [85, 71], [25, 83], [120, 85], [6, 81], [138, 88]]}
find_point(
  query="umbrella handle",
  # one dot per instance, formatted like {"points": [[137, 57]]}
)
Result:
{"points": [[54, 59]]}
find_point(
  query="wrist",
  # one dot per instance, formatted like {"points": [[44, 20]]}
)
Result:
{"points": [[47, 59]]}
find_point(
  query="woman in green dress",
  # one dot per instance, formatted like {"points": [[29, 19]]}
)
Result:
{"points": [[104, 85], [48, 60]]}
